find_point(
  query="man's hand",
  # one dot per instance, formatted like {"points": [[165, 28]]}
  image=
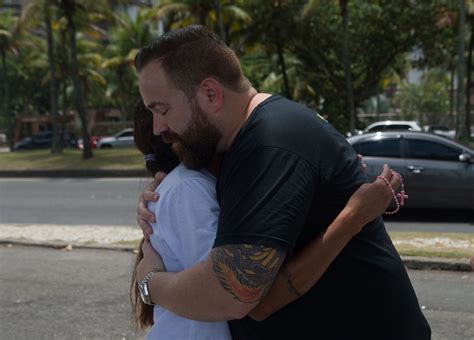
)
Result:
{"points": [[371, 200], [151, 260], [145, 216]]}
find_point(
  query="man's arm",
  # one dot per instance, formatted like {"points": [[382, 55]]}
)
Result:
{"points": [[226, 286], [234, 278], [305, 268]]}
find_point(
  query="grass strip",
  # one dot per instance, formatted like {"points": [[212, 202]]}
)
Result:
{"points": [[71, 159], [425, 244], [434, 244]]}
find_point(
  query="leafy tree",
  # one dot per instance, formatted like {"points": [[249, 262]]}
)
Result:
{"points": [[274, 25], [381, 33], [426, 102]]}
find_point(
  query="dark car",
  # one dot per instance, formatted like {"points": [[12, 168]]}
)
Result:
{"points": [[437, 172], [44, 140]]}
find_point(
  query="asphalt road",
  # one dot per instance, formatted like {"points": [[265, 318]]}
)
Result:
{"points": [[74, 201], [112, 201], [83, 294]]}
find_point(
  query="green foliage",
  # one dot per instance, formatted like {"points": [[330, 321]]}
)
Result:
{"points": [[292, 47], [381, 34], [124, 41], [427, 102]]}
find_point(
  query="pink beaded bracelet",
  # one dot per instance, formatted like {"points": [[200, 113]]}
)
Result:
{"points": [[402, 196]]}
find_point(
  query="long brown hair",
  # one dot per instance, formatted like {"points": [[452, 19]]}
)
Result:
{"points": [[160, 157]]}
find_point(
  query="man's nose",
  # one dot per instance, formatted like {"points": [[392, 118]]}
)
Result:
{"points": [[159, 125]]}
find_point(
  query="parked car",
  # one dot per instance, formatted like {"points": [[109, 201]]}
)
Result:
{"points": [[441, 130], [394, 125], [121, 139], [3, 139], [437, 172], [94, 141], [44, 140]]}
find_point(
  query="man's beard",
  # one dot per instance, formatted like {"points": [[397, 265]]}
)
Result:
{"points": [[195, 147]]}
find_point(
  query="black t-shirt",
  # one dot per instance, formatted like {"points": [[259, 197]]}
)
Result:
{"points": [[283, 181]]}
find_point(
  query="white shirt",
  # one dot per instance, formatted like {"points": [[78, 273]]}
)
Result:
{"points": [[187, 216]]}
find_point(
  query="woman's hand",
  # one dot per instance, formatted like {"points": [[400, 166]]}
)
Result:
{"points": [[372, 199], [145, 216]]}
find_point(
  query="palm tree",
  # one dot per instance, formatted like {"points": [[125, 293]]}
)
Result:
{"points": [[9, 36], [69, 8], [218, 15], [125, 39], [57, 144], [32, 14], [83, 15], [272, 31]]}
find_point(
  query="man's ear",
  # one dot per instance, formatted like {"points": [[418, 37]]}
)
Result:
{"points": [[210, 95]]}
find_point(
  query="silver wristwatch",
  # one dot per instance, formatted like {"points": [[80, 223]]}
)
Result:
{"points": [[143, 287]]}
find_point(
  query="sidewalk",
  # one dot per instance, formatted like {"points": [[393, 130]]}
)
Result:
{"points": [[126, 238]]}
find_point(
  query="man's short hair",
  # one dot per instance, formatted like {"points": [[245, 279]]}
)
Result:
{"points": [[191, 54]]}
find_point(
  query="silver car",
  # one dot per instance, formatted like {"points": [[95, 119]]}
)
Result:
{"points": [[438, 172], [122, 139]]}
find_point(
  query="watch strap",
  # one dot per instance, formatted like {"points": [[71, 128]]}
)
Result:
{"points": [[144, 286]]}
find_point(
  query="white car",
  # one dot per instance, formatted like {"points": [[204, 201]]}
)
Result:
{"points": [[441, 130], [122, 139], [394, 125]]}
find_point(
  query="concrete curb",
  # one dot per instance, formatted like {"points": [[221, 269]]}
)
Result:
{"points": [[428, 263], [88, 173], [411, 262], [67, 246]]}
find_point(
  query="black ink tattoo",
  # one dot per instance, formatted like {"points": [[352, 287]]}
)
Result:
{"points": [[286, 273]]}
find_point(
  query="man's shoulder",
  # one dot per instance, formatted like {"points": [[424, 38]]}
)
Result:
{"points": [[286, 128]]}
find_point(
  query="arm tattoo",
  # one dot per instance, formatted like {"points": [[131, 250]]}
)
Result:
{"points": [[246, 271], [286, 273]]}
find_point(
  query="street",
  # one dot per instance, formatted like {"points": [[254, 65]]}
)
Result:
{"points": [[83, 294], [112, 201]]}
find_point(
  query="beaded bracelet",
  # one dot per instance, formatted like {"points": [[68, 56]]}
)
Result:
{"points": [[402, 196]]}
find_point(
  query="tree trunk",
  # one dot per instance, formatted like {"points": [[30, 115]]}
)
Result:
{"points": [[220, 22], [123, 93], [347, 66], [57, 144], [281, 61], [6, 104], [377, 106], [69, 8], [202, 16], [467, 127], [461, 74], [451, 95]]}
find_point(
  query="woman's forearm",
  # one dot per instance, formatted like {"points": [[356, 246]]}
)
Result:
{"points": [[305, 268]]}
